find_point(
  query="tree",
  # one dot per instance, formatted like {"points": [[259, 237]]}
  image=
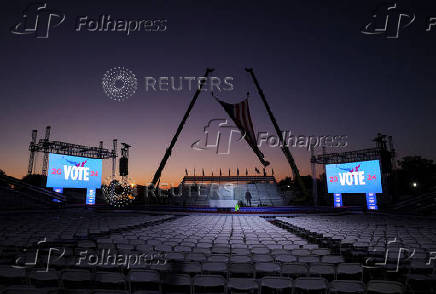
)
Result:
{"points": [[3, 184], [418, 170], [285, 184], [36, 180]]}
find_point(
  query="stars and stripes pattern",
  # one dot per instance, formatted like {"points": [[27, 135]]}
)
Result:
{"points": [[240, 114]]}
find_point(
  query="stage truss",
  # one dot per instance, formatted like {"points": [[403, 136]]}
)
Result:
{"points": [[46, 146], [384, 152]]}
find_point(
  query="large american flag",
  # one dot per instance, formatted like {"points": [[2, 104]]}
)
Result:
{"points": [[240, 114]]}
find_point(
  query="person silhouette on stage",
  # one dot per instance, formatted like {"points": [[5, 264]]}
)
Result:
{"points": [[248, 197]]}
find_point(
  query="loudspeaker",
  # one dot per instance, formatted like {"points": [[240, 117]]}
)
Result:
{"points": [[124, 166]]}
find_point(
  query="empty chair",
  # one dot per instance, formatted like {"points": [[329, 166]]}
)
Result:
{"points": [[285, 258], [188, 244], [182, 249], [163, 248], [218, 258], [205, 251], [276, 252], [240, 251], [153, 242], [143, 280], [86, 244], [321, 252], [10, 275], [347, 287], [175, 256], [294, 270], [270, 284], [262, 258], [300, 242], [209, 284], [420, 267], [245, 285], [260, 250], [291, 246], [22, 289], [301, 252], [76, 279], [419, 283], [42, 279], [384, 287], [349, 271], [240, 259], [200, 257], [308, 259], [125, 248], [162, 268], [110, 280], [326, 271], [176, 283], [144, 248], [110, 267], [190, 268], [214, 268], [204, 245], [219, 249], [310, 285], [334, 259], [266, 269], [241, 270], [112, 292]]}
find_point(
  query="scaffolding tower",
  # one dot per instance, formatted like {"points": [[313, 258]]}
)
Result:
{"points": [[46, 146]]}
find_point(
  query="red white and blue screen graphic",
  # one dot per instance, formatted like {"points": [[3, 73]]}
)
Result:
{"points": [[354, 177], [73, 172]]}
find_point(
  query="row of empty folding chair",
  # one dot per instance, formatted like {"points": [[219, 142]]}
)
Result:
{"points": [[143, 282]]}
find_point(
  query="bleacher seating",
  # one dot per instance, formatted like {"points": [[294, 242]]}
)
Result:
{"points": [[263, 194], [423, 204], [18, 195]]}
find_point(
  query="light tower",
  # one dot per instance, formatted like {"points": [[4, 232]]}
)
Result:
{"points": [[32, 150], [45, 144], [124, 161]]}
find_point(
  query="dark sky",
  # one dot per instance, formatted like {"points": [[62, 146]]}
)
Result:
{"points": [[321, 75]]}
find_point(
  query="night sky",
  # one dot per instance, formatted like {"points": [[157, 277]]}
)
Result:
{"points": [[320, 74]]}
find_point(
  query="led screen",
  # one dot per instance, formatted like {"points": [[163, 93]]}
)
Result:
{"points": [[73, 172], [354, 177]]}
